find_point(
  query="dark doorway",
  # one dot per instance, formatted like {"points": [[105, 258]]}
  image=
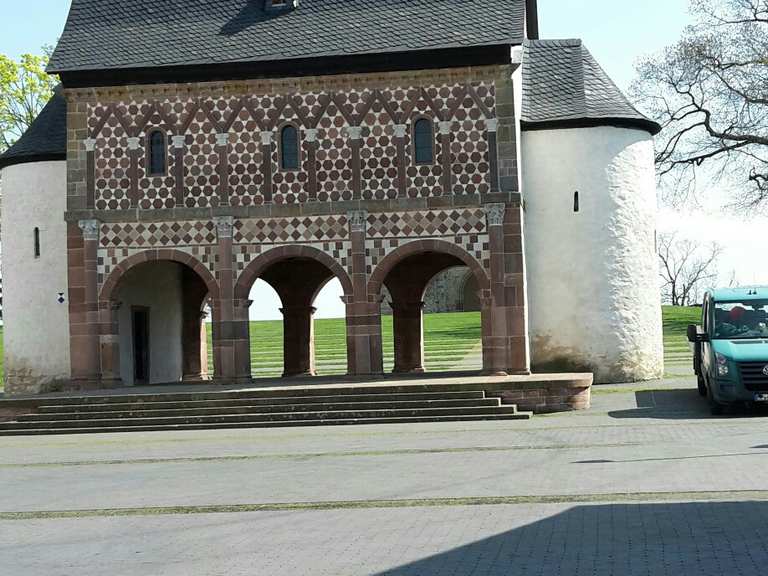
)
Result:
{"points": [[140, 320]]}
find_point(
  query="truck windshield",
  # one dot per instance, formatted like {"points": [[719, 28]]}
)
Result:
{"points": [[741, 320]]}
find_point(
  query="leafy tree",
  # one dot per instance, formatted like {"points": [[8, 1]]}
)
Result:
{"points": [[686, 268], [710, 94], [24, 90]]}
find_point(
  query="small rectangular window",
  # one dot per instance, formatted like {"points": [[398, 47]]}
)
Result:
{"points": [[37, 242]]}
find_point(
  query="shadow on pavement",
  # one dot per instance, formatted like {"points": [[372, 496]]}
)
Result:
{"points": [[680, 539], [678, 404]]}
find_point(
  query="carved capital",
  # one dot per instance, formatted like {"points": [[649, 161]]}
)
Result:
{"points": [[266, 138], [357, 220], [178, 141], [355, 132], [222, 139], [400, 130], [90, 229], [224, 226], [492, 124], [310, 134], [90, 144], [494, 214], [444, 126], [133, 143]]}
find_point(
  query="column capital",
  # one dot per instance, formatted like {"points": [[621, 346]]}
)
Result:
{"points": [[310, 134], [224, 226], [357, 220], [444, 126], [90, 144], [492, 124], [266, 137], [133, 143], [355, 132], [494, 214], [222, 139], [90, 229], [400, 130], [178, 141]]}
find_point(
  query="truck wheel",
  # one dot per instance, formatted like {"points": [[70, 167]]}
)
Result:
{"points": [[702, 385], [715, 408]]}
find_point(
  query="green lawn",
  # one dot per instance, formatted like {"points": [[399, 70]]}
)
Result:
{"points": [[676, 320]]}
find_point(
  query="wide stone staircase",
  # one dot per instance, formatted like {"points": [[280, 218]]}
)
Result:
{"points": [[256, 408]]}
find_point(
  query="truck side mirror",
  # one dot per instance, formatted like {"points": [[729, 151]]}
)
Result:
{"points": [[695, 336]]}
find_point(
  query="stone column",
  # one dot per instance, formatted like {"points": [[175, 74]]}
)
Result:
{"points": [[355, 137], [266, 164], [402, 169], [222, 145], [178, 169], [84, 328], [223, 324], [444, 128], [298, 341], [310, 137], [505, 343], [364, 350], [133, 152], [242, 339], [90, 176], [408, 330]]}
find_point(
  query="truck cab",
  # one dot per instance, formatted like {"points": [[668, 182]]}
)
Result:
{"points": [[731, 347]]}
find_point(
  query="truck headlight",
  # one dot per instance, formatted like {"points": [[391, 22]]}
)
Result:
{"points": [[722, 364]]}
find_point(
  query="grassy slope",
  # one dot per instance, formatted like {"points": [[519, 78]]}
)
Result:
{"points": [[451, 341]]}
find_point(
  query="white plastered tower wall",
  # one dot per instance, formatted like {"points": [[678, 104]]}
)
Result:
{"points": [[36, 323], [594, 299]]}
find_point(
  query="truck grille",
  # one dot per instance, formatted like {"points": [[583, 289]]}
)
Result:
{"points": [[753, 377]]}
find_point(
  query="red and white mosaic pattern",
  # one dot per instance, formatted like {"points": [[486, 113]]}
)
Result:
{"points": [[340, 251], [298, 229], [157, 234], [331, 115]]}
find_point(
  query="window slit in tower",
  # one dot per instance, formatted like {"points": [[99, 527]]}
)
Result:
{"points": [[37, 242], [576, 201]]}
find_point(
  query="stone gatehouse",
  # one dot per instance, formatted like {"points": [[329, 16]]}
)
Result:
{"points": [[208, 148]]}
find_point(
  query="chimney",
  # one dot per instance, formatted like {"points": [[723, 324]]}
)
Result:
{"points": [[280, 5], [532, 19]]}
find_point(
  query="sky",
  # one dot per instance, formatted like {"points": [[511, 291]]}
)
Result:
{"points": [[617, 32]]}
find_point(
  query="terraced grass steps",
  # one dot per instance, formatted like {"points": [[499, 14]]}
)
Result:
{"points": [[346, 404]]}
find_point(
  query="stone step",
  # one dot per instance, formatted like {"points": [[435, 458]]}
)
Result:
{"points": [[250, 401], [151, 410], [264, 417], [265, 424], [283, 392]]}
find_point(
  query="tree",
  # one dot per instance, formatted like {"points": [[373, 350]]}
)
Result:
{"points": [[24, 90], [686, 267], [709, 92]]}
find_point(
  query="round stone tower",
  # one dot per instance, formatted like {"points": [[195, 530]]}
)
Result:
{"points": [[34, 255], [590, 219]]}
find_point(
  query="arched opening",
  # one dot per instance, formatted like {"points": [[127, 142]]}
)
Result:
{"points": [[158, 311], [289, 335], [441, 340]]}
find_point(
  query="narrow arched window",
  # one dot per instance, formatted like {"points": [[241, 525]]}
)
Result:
{"points": [[37, 242], [289, 148], [157, 153], [423, 151]]}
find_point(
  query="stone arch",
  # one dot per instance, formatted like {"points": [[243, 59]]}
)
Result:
{"points": [[257, 266], [280, 267], [204, 288], [420, 247]]}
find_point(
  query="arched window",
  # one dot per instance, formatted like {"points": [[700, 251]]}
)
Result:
{"points": [[156, 154], [423, 140], [289, 148]]}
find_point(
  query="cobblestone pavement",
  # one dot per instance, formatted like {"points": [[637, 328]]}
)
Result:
{"points": [[644, 483]]}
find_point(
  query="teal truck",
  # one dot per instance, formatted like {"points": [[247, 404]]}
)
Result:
{"points": [[731, 347]]}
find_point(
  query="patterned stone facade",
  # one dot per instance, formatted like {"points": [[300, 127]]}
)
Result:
{"points": [[358, 207]]}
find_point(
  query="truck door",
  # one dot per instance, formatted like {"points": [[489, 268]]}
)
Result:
{"points": [[706, 324]]}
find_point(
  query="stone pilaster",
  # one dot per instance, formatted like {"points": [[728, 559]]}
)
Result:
{"points": [[355, 142], [84, 327], [222, 145], [90, 174], [402, 169], [177, 142], [492, 125], [224, 322], [266, 164], [444, 129], [310, 139], [408, 331], [133, 171]]}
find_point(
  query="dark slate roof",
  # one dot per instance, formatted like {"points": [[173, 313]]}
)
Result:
{"points": [[563, 85], [45, 139], [119, 34]]}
